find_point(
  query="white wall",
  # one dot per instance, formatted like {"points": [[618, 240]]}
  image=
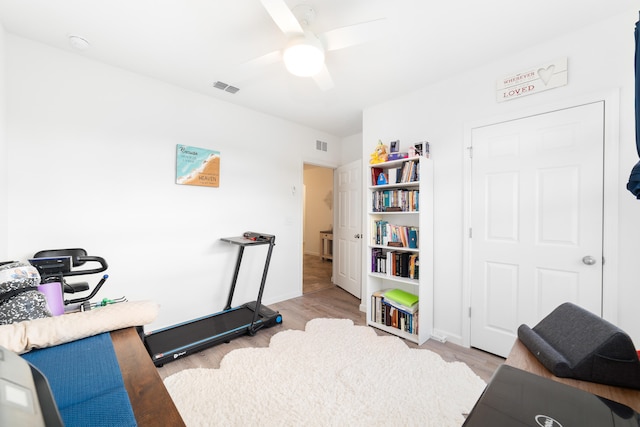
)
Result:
{"points": [[91, 163], [600, 59], [351, 149], [3, 153]]}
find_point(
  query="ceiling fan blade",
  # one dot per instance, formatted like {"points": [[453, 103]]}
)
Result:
{"points": [[282, 16], [323, 79], [255, 66], [353, 34]]}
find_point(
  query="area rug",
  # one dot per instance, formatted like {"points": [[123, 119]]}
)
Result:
{"points": [[331, 374]]}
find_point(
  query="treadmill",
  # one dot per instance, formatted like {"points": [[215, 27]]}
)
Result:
{"points": [[168, 344]]}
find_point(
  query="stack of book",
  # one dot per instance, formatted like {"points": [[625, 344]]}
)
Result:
{"points": [[386, 234], [398, 200], [408, 172], [395, 308], [395, 263]]}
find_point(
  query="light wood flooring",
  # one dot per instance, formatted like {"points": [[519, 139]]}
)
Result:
{"points": [[332, 302], [316, 274]]}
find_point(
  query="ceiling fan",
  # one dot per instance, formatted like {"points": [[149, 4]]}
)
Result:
{"points": [[304, 53]]}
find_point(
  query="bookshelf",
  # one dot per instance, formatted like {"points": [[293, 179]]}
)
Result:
{"points": [[399, 243]]}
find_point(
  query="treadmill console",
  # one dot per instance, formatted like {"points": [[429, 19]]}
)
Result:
{"points": [[258, 237]]}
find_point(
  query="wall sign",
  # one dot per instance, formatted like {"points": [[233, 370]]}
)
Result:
{"points": [[197, 166], [547, 76]]}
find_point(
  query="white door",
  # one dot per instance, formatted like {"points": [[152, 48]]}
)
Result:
{"points": [[536, 226], [347, 235]]}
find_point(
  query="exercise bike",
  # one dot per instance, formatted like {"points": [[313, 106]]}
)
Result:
{"points": [[54, 265]]}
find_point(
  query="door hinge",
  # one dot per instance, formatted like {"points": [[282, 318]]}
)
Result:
{"points": [[470, 148], [469, 311], [470, 232]]}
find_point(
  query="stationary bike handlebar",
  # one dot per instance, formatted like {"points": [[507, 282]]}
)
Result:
{"points": [[82, 259], [93, 293]]}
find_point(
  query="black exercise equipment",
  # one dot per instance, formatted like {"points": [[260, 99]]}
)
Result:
{"points": [[173, 342], [56, 264]]}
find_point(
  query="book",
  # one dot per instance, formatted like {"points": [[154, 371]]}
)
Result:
{"points": [[398, 200], [392, 314], [413, 266], [394, 263], [375, 172], [398, 318], [376, 306], [393, 175], [402, 297], [411, 310], [413, 237], [383, 233]]}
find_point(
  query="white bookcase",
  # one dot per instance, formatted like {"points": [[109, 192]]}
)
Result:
{"points": [[379, 275]]}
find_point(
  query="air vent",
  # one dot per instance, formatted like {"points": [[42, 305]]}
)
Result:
{"points": [[225, 87], [321, 145]]}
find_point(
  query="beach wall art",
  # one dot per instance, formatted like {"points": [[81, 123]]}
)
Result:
{"points": [[197, 166]]}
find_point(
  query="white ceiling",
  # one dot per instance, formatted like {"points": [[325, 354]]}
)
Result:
{"points": [[193, 43]]}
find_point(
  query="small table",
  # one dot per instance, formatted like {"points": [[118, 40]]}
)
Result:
{"points": [[326, 245], [521, 358]]}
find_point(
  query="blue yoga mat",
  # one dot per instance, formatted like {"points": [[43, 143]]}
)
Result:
{"points": [[86, 382]]}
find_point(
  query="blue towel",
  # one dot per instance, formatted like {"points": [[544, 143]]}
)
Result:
{"points": [[86, 382]]}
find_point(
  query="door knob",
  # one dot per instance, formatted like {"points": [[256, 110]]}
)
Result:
{"points": [[589, 260], [357, 236]]}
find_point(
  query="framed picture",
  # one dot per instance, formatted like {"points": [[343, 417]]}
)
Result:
{"points": [[197, 166], [422, 149], [394, 146]]}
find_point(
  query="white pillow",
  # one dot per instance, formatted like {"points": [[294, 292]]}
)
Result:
{"points": [[21, 337]]}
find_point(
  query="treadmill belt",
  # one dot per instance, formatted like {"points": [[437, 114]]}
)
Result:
{"points": [[204, 329]]}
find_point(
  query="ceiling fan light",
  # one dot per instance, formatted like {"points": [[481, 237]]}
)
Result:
{"points": [[303, 58]]}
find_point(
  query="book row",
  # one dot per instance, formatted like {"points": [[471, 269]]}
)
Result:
{"points": [[385, 234], [395, 263], [399, 200], [385, 313], [408, 172]]}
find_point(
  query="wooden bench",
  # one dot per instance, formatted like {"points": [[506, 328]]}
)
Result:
{"points": [[152, 405]]}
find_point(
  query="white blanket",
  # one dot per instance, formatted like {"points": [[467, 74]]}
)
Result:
{"points": [[21, 337]]}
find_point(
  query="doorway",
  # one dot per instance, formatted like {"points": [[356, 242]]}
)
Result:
{"points": [[536, 227], [317, 240]]}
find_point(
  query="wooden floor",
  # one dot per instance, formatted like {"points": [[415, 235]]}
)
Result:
{"points": [[317, 274], [332, 302]]}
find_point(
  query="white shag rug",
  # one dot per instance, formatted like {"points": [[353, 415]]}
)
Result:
{"points": [[331, 374]]}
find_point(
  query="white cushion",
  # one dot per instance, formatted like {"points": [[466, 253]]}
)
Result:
{"points": [[21, 337]]}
